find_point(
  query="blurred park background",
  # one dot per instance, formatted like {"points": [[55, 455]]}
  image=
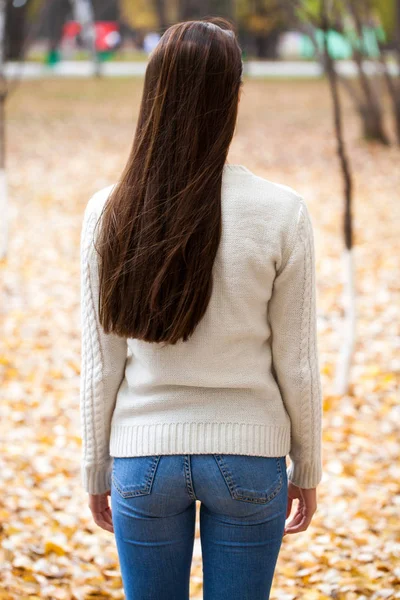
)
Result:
{"points": [[320, 112]]}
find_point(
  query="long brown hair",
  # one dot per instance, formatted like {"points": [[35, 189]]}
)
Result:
{"points": [[161, 225]]}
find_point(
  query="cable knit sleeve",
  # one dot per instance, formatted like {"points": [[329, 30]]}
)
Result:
{"points": [[292, 313], [103, 358]]}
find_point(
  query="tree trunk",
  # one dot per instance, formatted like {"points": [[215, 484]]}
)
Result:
{"points": [[15, 31], [370, 108], [192, 9], [3, 178], [396, 110], [59, 11], [266, 44], [159, 6], [195, 9], [106, 10], [345, 358], [221, 8], [393, 86], [372, 122], [395, 93], [397, 24], [83, 14]]}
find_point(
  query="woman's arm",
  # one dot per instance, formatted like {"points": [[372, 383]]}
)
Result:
{"points": [[292, 313], [103, 358]]}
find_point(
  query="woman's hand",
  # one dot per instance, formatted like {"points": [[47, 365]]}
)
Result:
{"points": [[98, 504], [306, 508]]}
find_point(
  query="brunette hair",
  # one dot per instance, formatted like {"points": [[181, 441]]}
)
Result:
{"points": [[161, 224]]}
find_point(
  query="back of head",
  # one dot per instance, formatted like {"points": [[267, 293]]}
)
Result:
{"points": [[161, 226]]}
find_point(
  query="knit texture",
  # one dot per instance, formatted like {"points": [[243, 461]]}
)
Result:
{"points": [[247, 381]]}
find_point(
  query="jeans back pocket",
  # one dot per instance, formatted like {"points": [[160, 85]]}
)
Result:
{"points": [[134, 475], [252, 478]]}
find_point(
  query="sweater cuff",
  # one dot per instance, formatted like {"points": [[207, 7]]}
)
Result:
{"points": [[96, 479], [304, 475]]}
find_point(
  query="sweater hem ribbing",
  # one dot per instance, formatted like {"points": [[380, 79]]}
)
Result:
{"points": [[199, 438]]}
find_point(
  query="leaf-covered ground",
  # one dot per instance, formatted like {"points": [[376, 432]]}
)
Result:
{"points": [[66, 139]]}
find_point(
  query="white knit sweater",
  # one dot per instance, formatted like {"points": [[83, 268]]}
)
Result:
{"points": [[247, 381]]}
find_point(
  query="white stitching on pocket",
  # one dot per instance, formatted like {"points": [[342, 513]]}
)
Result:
{"points": [[239, 493], [144, 486]]}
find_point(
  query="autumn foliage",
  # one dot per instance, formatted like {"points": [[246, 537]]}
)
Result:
{"points": [[67, 139]]}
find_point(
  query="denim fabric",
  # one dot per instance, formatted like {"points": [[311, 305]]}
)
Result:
{"points": [[243, 501]]}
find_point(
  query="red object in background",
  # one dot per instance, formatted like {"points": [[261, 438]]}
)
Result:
{"points": [[70, 30], [107, 33]]}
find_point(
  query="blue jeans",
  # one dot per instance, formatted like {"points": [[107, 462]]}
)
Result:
{"points": [[242, 519]]}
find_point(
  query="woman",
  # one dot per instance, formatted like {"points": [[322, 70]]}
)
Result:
{"points": [[199, 346]]}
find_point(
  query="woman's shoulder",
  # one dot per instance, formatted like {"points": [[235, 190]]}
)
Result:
{"points": [[97, 200], [275, 188], [274, 198]]}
